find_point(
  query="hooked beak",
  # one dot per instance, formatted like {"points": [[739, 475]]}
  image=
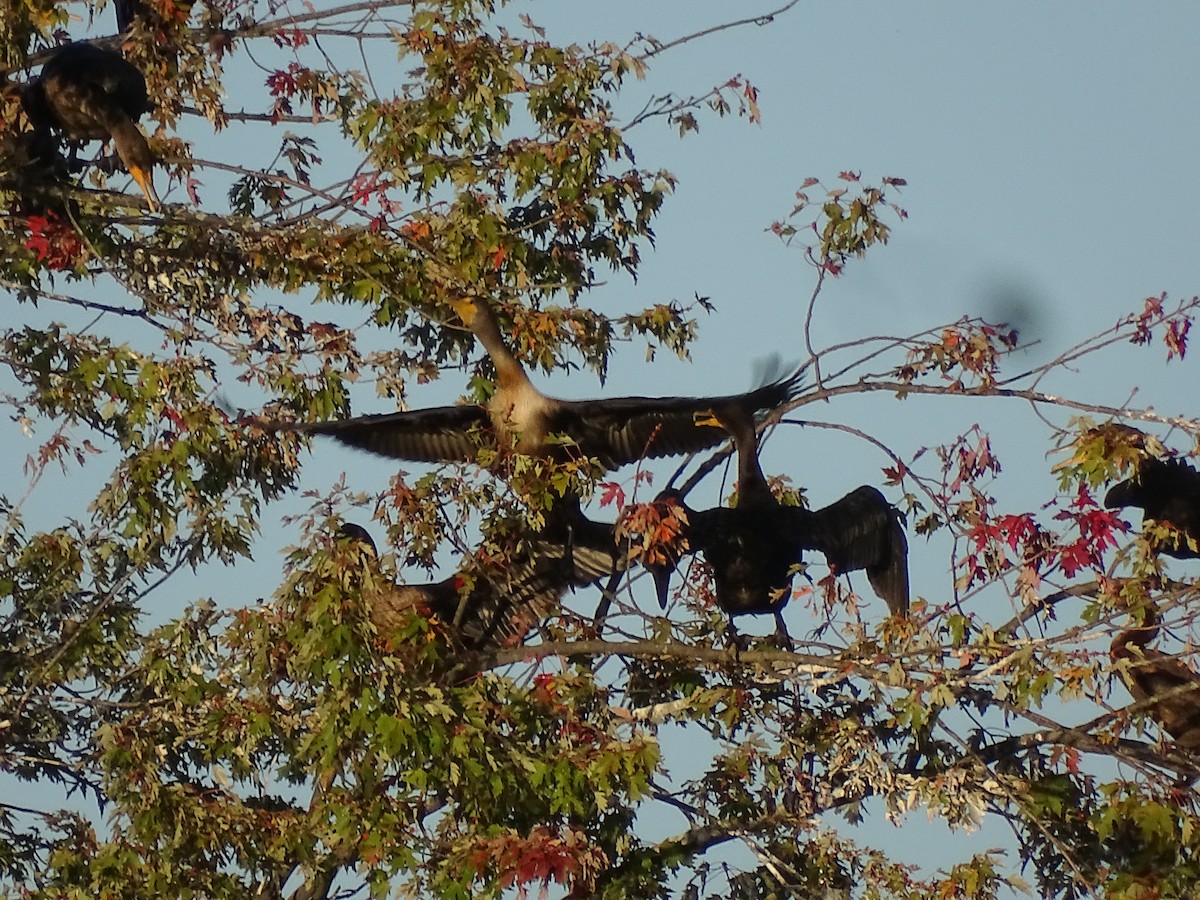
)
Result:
{"points": [[146, 183]]}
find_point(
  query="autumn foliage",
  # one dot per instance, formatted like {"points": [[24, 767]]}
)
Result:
{"points": [[169, 726]]}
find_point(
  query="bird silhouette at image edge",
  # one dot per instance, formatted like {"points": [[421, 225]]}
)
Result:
{"points": [[1168, 492], [1151, 675]]}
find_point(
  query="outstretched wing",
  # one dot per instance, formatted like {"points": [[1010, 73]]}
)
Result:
{"points": [[859, 531], [622, 430], [489, 608], [441, 434]]}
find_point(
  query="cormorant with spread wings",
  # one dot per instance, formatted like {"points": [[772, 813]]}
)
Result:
{"points": [[753, 546], [484, 607], [614, 430]]}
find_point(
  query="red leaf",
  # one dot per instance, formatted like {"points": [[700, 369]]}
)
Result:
{"points": [[1072, 761], [1176, 338], [612, 493], [1152, 309], [55, 242], [1015, 529]]}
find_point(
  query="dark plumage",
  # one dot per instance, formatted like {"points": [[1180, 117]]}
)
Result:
{"points": [[500, 605], [127, 11], [1168, 492], [157, 14], [616, 431], [1151, 674], [753, 546], [88, 93]]}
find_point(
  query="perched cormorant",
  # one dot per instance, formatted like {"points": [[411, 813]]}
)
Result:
{"points": [[501, 604], [752, 547], [88, 93], [1168, 492], [614, 430], [1150, 674]]}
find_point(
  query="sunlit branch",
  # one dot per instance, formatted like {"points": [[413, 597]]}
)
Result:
{"points": [[334, 200], [780, 662], [901, 388], [761, 19]]}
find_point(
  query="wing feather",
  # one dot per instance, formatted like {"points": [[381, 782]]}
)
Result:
{"points": [[622, 430], [859, 531], [440, 434]]}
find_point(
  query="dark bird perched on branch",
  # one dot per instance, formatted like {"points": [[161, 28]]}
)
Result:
{"points": [[88, 93], [1168, 492], [486, 607], [614, 430], [752, 547], [1151, 675]]}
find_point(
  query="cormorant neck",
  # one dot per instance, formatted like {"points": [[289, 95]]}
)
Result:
{"points": [[752, 484], [486, 327]]}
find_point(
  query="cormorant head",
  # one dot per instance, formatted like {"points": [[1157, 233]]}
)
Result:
{"points": [[356, 534]]}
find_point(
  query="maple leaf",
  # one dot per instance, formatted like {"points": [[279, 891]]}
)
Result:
{"points": [[416, 231], [1014, 529], [612, 493], [54, 241], [283, 84], [1076, 556]]}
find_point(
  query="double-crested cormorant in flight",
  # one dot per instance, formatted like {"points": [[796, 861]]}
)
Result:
{"points": [[88, 93], [502, 604], [614, 430], [1168, 492], [753, 546], [1151, 674]]}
